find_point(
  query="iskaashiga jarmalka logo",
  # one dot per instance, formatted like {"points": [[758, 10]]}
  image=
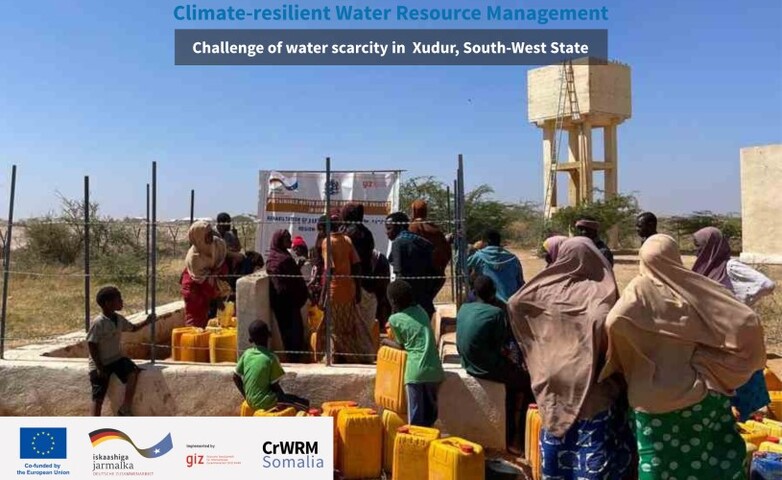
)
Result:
{"points": [[158, 450]]}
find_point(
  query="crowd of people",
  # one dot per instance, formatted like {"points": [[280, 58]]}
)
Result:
{"points": [[651, 379], [676, 349]]}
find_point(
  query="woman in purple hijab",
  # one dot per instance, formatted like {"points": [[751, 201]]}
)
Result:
{"points": [[713, 253], [551, 247]]}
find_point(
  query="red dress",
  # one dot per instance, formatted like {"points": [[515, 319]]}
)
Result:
{"points": [[197, 297]]}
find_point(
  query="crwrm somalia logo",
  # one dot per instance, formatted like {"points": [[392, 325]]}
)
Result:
{"points": [[158, 450]]}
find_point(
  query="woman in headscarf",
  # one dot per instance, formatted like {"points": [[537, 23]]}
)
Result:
{"points": [[353, 225], [551, 248], [351, 339], [558, 319], [441, 256], [287, 294], [204, 263], [713, 252], [316, 281], [683, 344], [713, 256]]}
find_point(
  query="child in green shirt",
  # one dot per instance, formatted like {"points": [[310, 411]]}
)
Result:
{"points": [[258, 373], [424, 371]]}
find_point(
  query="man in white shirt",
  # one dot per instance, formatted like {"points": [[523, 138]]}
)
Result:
{"points": [[749, 285]]}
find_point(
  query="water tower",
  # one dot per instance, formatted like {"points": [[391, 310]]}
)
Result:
{"points": [[576, 98]]}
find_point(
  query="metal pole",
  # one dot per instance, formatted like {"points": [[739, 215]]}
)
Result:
{"points": [[458, 242], [86, 253], [450, 228], [327, 306], [146, 255], [192, 206], [153, 260], [7, 261], [462, 226]]}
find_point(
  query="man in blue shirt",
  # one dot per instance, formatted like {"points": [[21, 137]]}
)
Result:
{"points": [[500, 265], [411, 260]]}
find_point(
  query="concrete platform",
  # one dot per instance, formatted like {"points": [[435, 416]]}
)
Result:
{"points": [[470, 408], [52, 380]]}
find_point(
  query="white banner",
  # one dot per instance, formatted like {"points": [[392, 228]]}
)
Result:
{"points": [[295, 200], [168, 448]]}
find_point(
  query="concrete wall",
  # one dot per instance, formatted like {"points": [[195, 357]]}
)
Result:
{"points": [[52, 380], [252, 303], [761, 204], [134, 344], [468, 407]]}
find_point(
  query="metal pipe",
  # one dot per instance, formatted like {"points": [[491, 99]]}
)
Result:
{"points": [[153, 261], [326, 264], [450, 230], [458, 242], [462, 226], [192, 206], [7, 261], [86, 253], [146, 255]]}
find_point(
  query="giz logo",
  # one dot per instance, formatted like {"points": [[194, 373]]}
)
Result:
{"points": [[192, 460]]}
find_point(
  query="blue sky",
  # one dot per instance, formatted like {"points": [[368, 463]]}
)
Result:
{"points": [[91, 88]]}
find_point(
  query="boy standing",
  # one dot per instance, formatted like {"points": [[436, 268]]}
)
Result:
{"points": [[424, 372], [258, 373], [103, 341]]}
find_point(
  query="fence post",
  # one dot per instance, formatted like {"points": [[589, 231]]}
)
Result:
{"points": [[153, 262], [462, 228], [146, 255], [86, 253], [450, 230], [327, 261], [7, 261], [192, 206]]}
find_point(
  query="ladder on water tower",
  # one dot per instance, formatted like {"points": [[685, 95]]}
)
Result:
{"points": [[567, 97], [570, 81]]}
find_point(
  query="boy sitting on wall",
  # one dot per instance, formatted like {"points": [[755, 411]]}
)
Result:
{"points": [[103, 341], [258, 373]]}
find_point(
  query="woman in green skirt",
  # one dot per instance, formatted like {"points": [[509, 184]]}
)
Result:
{"points": [[683, 344]]}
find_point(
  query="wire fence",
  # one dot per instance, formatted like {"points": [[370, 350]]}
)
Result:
{"points": [[53, 265]]}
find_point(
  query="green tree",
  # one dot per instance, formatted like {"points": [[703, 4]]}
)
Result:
{"points": [[481, 211], [619, 211]]}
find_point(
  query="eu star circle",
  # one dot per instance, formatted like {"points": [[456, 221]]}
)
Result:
{"points": [[43, 443]]}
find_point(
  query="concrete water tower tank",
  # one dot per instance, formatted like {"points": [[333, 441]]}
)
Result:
{"points": [[577, 97]]}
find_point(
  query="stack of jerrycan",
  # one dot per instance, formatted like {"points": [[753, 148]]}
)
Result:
{"points": [[332, 409], [454, 458], [411, 452], [391, 423], [194, 346], [390, 395], [360, 443], [176, 340]]}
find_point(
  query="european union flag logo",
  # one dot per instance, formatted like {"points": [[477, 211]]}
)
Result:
{"points": [[42, 443]]}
